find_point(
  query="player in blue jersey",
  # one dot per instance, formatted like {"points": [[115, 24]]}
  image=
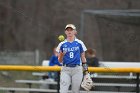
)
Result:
{"points": [[54, 62], [54, 59], [72, 56]]}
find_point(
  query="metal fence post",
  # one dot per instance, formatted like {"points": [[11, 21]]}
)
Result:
{"points": [[58, 82], [137, 83]]}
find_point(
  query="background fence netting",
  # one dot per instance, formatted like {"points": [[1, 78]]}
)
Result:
{"points": [[114, 33]]}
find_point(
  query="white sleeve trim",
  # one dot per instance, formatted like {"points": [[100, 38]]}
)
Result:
{"points": [[83, 45]]}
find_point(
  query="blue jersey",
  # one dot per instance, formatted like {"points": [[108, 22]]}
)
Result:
{"points": [[73, 51]]}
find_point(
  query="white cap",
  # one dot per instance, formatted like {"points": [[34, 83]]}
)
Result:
{"points": [[71, 26]]}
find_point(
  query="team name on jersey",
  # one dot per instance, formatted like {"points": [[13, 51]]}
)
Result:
{"points": [[67, 49]]}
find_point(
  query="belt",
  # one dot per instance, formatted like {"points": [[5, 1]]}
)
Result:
{"points": [[71, 65]]}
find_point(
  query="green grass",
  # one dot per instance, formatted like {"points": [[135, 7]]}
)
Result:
{"points": [[1, 91], [9, 81]]}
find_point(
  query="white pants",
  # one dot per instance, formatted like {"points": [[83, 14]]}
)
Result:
{"points": [[71, 76]]}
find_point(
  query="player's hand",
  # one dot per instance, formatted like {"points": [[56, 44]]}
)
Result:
{"points": [[61, 55], [85, 67]]}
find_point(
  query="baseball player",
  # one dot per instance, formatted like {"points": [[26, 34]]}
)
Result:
{"points": [[72, 56]]}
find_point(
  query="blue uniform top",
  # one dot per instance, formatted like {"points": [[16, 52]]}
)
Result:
{"points": [[54, 61], [73, 51]]}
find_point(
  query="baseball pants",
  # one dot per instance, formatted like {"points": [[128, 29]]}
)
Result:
{"points": [[71, 76]]}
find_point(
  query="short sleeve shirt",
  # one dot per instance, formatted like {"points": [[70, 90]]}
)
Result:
{"points": [[73, 51]]}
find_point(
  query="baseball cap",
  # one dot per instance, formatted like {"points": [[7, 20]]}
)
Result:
{"points": [[71, 26]]}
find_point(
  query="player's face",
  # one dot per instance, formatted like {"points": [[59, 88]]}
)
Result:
{"points": [[70, 32]]}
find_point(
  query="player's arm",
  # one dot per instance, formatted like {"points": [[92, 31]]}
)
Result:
{"points": [[60, 53], [60, 57], [85, 66], [83, 58]]}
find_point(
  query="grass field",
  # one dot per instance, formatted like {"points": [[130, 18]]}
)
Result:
{"points": [[8, 80]]}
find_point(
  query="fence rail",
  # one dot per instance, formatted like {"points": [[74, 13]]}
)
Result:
{"points": [[57, 68]]}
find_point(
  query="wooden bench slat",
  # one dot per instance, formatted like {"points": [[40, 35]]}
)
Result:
{"points": [[28, 89], [103, 92], [115, 84], [36, 81], [38, 73], [50, 90], [96, 84], [115, 77]]}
